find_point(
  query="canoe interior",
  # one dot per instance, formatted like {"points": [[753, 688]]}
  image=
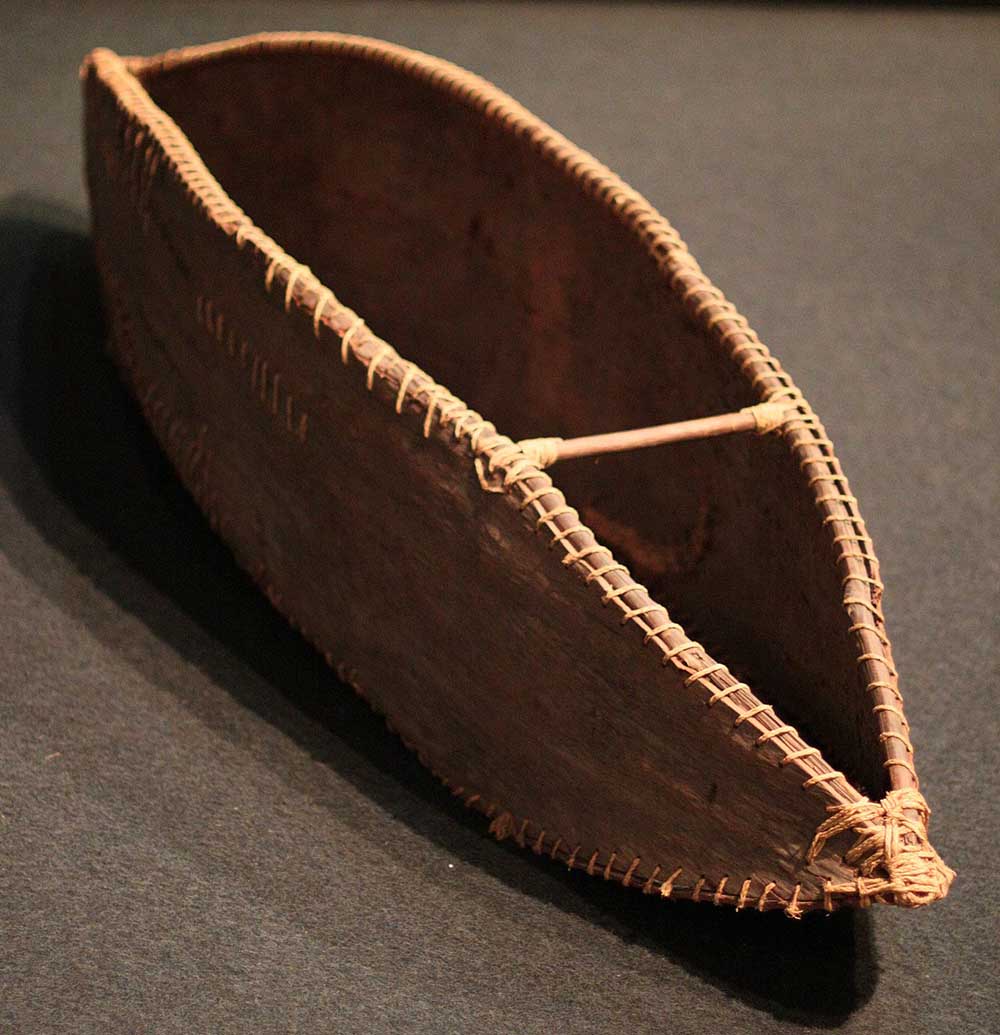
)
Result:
{"points": [[502, 278]]}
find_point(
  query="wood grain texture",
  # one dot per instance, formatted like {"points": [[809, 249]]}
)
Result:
{"points": [[442, 603]]}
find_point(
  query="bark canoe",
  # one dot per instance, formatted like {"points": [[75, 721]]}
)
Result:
{"points": [[668, 667]]}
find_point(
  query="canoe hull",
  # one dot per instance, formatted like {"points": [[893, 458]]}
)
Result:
{"points": [[345, 481]]}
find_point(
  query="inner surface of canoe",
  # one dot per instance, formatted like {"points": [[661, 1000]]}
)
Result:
{"points": [[530, 299]]}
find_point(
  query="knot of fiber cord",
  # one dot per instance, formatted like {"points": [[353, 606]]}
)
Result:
{"points": [[894, 860], [767, 417], [503, 826], [542, 452]]}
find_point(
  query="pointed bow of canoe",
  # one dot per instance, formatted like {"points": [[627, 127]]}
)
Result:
{"points": [[894, 861]]}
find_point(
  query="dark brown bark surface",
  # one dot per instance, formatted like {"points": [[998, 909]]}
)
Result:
{"points": [[533, 303], [380, 545]]}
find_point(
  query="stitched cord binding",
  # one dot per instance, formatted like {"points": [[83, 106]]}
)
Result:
{"points": [[802, 430], [707, 302], [894, 860]]}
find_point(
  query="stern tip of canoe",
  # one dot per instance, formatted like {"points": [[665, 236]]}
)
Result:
{"points": [[893, 861]]}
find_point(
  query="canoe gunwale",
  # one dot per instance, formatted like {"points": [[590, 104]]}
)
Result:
{"points": [[504, 466]]}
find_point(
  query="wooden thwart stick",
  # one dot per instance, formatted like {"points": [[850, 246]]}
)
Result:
{"points": [[762, 419]]}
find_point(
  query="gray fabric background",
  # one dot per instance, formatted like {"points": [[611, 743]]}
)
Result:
{"points": [[201, 831]]}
